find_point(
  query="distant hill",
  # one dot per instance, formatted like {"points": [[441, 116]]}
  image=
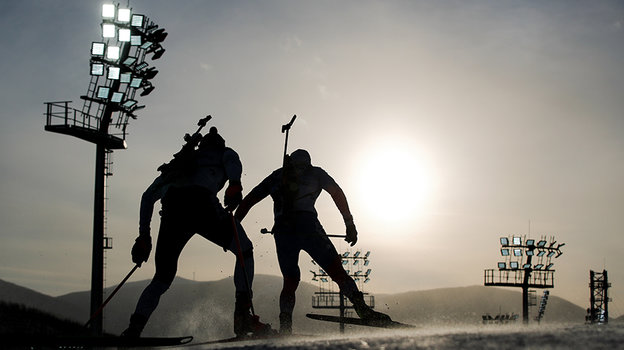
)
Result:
{"points": [[467, 304], [19, 320], [205, 309], [12, 293]]}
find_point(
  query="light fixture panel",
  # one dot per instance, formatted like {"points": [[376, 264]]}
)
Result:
{"points": [[513, 264], [517, 252], [108, 30], [146, 45], [137, 20], [136, 83], [108, 11], [129, 61], [517, 241], [112, 53], [541, 243], [502, 265], [117, 97], [530, 242], [98, 49], [123, 15], [504, 241], [135, 40], [103, 92], [125, 78], [505, 252], [97, 69], [124, 35], [113, 73]]}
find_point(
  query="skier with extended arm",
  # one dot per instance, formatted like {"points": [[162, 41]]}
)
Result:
{"points": [[294, 189]]}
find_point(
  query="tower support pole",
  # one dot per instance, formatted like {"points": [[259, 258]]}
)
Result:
{"points": [[97, 264]]}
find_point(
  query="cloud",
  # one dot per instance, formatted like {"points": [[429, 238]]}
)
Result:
{"points": [[291, 42], [207, 67]]}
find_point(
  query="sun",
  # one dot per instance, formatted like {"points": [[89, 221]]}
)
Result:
{"points": [[393, 183]]}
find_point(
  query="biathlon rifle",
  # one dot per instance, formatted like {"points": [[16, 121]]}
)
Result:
{"points": [[191, 143]]}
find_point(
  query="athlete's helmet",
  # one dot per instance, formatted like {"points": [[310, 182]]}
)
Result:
{"points": [[300, 159]]}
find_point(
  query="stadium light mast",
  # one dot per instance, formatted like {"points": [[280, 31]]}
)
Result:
{"points": [[519, 269], [598, 297], [118, 71], [356, 266]]}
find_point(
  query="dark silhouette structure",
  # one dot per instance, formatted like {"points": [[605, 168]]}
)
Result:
{"points": [[528, 264], [118, 71], [599, 285]]}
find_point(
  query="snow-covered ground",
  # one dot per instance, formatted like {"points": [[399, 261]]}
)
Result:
{"points": [[463, 337]]}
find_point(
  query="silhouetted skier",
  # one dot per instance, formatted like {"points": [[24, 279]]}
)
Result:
{"points": [[294, 191], [187, 189]]}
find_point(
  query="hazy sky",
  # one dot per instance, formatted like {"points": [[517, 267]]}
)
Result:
{"points": [[447, 124]]}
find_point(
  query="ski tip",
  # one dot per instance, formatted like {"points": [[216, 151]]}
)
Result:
{"points": [[186, 340]]}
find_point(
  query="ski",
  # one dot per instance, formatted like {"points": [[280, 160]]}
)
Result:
{"points": [[359, 321], [89, 341], [250, 338]]}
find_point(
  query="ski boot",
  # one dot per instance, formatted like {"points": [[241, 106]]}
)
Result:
{"points": [[137, 323], [247, 325], [285, 323], [366, 313]]}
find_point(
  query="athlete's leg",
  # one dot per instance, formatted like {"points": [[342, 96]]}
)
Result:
{"points": [[288, 249], [321, 249], [168, 249], [324, 253]]}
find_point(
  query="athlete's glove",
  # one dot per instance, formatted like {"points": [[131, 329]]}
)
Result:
{"points": [[351, 234], [141, 249], [233, 195]]}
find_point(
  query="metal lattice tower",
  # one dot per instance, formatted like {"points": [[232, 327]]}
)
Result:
{"points": [[599, 297]]}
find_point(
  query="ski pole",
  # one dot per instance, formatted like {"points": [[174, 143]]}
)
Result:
{"points": [[265, 231], [99, 311], [242, 262]]}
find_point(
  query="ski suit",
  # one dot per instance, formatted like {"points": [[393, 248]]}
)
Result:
{"points": [[190, 206], [297, 227]]}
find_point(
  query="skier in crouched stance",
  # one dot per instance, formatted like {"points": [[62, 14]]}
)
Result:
{"points": [[294, 189], [187, 189]]}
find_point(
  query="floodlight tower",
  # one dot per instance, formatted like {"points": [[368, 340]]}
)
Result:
{"points": [[519, 269], [598, 297], [356, 266], [118, 70]]}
